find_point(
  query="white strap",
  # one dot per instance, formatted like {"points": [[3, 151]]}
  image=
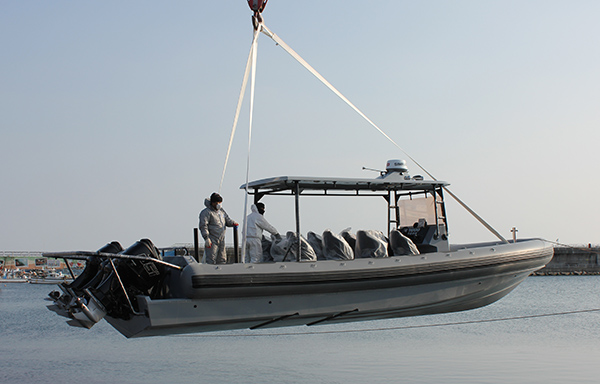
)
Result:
{"points": [[292, 53], [237, 110], [254, 53]]}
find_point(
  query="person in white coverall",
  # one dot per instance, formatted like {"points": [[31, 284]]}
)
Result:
{"points": [[212, 223], [255, 225]]}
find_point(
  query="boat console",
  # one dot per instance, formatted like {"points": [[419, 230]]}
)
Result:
{"points": [[427, 238]]}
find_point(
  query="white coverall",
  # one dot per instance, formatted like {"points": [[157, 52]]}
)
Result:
{"points": [[255, 225]]}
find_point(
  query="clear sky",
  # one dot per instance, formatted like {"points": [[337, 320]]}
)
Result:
{"points": [[115, 116]]}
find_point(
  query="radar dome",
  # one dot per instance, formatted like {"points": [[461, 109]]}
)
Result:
{"points": [[396, 166]]}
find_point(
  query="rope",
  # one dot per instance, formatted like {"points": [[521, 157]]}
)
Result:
{"points": [[295, 55], [404, 327], [475, 215]]}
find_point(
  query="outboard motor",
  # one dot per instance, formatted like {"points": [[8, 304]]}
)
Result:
{"points": [[106, 290], [137, 277], [72, 303], [93, 269]]}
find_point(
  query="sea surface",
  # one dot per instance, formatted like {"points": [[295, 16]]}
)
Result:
{"points": [[37, 346]]}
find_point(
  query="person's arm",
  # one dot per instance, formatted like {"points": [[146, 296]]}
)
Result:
{"points": [[203, 224], [263, 224], [228, 221]]}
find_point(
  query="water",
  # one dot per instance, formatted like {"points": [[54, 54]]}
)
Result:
{"points": [[36, 346]]}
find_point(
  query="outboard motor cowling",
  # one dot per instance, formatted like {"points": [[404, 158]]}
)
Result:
{"points": [[110, 285], [92, 267], [141, 273], [137, 277]]}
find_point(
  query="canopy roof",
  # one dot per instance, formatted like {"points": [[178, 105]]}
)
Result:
{"points": [[393, 182]]}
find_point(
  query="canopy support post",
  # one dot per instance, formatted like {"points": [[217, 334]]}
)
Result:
{"points": [[297, 198]]}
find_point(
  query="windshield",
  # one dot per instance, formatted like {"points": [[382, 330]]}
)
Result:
{"points": [[415, 211]]}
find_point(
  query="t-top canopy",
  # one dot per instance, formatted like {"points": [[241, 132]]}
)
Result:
{"points": [[393, 182]]}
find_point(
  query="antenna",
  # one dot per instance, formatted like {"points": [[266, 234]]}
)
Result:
{"points": [[374, 170]]}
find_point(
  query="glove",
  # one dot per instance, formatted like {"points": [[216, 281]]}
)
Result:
{"points": [[208, 243], [278, 236]]}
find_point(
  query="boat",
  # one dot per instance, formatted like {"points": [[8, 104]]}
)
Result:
{"points": [[50, 277], [410, 269], [141, 293], [13, 276]]}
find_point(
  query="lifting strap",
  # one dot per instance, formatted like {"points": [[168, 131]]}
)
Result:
{"points": [[239, 107], [293, 53], [254, 52], [251, 69]]}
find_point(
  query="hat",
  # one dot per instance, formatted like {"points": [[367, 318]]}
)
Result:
{"points": [[215, 198]]}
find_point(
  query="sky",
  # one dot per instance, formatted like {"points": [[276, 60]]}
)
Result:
{"points": [[115, 116]]}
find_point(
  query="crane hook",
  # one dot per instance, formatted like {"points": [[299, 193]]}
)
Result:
{"points": [[257, 6]]}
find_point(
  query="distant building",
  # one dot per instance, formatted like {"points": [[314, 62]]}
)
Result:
{"points": [[31, 260]]}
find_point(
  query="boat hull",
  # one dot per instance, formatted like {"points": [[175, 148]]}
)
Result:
{"points": [[288, 294]]}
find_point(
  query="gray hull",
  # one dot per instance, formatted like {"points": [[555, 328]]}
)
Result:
{"points": [[213, 298]]}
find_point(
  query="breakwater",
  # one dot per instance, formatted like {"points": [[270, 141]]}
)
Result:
{"points": [[584, 260]]}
